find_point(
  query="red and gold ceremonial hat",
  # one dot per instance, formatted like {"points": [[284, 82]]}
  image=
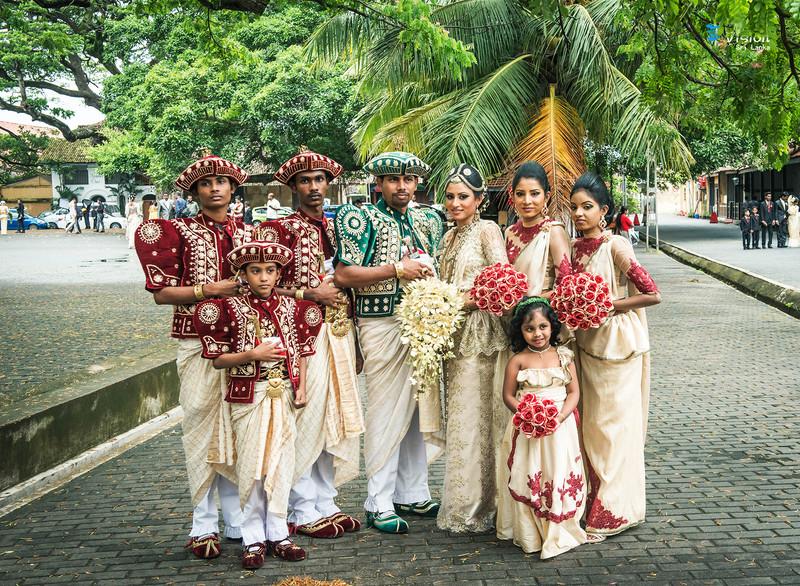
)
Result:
{"points": [[210, 166], [259, 252], [307, 160]]}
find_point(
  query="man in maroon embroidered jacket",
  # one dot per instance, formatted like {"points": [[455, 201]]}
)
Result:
{"points": [[184, 262], [328, 428], [262, 339]]}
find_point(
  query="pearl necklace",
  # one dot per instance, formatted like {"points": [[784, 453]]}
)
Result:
{"points": [[542, 351]]}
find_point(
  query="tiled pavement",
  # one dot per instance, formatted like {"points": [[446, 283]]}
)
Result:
{"points": [[71, 306], [723, 459]]}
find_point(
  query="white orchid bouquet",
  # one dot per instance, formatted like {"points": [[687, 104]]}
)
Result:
{"points": [[429, 315]]}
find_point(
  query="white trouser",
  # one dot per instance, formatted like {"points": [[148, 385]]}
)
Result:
{"points": [[259, 525], [205, 517], [404, 477], [311, 497]]}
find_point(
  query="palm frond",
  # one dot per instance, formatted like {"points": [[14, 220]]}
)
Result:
{"points": [[490, 28], [346, 36], [483, 122], [581, 53], [603, 12], [404, 130], [555, 140]]}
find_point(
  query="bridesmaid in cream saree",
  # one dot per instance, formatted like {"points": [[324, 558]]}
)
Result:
{"points": [[613, 367], [539, 247], [468, 500]]}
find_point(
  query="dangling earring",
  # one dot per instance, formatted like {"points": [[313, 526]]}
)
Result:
{"points": [[544, 210], [603, 223]]}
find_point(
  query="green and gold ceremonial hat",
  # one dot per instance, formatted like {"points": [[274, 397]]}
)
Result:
{"points": [[397, 163]]}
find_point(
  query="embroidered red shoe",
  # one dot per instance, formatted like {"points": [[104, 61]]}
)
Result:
{"points": [[205, 547], [253, 555], [286, 550], [325, 528], [346, 522]]}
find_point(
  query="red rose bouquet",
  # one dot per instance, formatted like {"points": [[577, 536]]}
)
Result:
{"points": [[498, 288], [536, 417], [582, 300]]}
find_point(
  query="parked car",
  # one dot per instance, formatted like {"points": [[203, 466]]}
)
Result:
{"points": [[58, 219], [260, 214], [330, 211], [55, 219], [30, 222]]}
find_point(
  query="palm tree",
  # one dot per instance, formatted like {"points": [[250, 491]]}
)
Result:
{"points": [[540, 84]]}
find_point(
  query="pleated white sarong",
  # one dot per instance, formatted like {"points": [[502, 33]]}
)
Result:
{"points": [[207, 433]]}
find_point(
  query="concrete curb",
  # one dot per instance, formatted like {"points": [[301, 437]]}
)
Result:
{"points": [[778, 295], [87, 415], [33, 488]]}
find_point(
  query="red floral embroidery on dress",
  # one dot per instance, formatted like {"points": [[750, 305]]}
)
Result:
{"points": [[521, 237], [583, 249], [572, 486], [641, 278], [538, 492], [563, 269], [597, 516]]}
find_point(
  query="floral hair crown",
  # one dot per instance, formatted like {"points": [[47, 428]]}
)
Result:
{"points": [[528, 301]]}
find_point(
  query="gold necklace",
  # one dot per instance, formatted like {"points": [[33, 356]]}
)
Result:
{"points": [[539, 351]]}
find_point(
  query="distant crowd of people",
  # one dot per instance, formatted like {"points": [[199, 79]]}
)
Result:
{"points": [[761, 221]]}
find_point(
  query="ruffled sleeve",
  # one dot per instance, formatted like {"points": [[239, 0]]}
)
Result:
{"points": [[565, 357]]}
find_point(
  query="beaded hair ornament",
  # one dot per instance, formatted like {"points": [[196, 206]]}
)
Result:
{"points": [[524, 303]]}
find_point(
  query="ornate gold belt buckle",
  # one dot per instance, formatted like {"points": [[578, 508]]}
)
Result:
{"points": [[274, 383]]}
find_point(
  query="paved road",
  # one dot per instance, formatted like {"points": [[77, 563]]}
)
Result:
{"points": [[722, 457], [71, 306], [723, 242]]}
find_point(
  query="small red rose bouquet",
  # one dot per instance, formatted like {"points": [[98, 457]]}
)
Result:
{"points": [[536, 417], [498, 288], [582, 300]]}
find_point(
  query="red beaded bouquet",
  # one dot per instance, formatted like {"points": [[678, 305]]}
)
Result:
{"points": [[582, 300], [536, 417], [498, 288]]}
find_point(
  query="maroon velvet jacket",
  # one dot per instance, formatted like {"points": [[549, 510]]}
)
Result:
{"points": [[185, 252], [228, 326]]}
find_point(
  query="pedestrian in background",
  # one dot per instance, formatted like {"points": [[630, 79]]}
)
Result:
{"points": [[746, 226], [164, 207], [755, 218], [624, 223], [273, 205], [134, 218], [3, 218], [85, 214], [93, 213], [192, 209], [101, 214], [782, 218], [237, 209], [20, 216], [74, 223], [180, 206], [768, 221], [248, 214]]}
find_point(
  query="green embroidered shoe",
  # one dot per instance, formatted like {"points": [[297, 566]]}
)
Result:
{"points": [[387, 522], [423, 509]]}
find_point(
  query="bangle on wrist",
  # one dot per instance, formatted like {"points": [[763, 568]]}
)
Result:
{"points": [[198, 292], [298, 294], [398, 269]]}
